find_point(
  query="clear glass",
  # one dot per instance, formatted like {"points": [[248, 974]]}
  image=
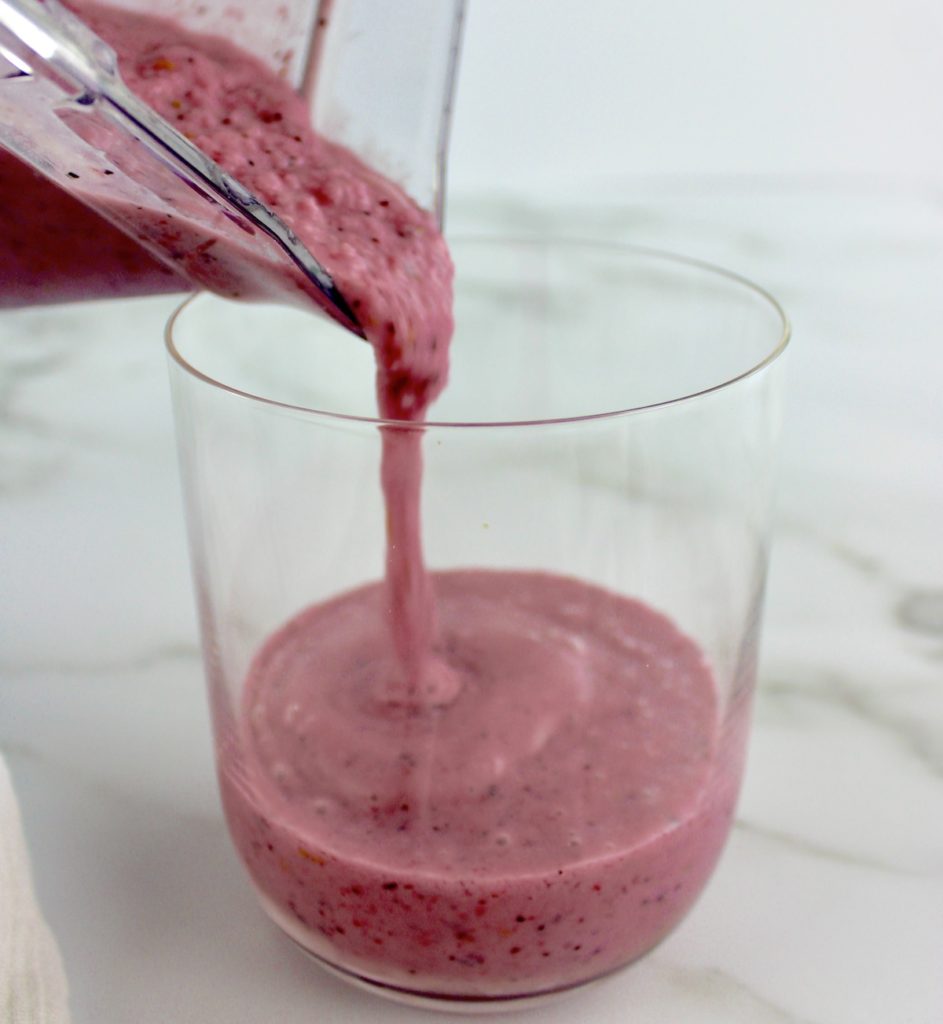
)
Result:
{"points": [[595, 516]]}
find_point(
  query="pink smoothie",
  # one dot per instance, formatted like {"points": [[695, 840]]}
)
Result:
{"points": [[476, 784], [547, 821]]}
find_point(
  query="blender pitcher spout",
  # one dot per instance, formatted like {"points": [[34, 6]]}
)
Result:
{"points": [[380, 87], [74, 120]]}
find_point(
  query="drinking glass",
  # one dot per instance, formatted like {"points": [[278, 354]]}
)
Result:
{"points": [[548, 801]]}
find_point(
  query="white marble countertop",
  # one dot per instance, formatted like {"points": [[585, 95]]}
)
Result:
{"points": [[827, 907]]}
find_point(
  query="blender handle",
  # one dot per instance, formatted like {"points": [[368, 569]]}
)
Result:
{"points": [[386, 93]]}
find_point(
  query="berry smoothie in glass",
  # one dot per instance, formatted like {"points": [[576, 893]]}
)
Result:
{"points": [[480, 731], [480, 657]]}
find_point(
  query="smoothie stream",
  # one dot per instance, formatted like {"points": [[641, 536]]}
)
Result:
{"points": [[476, 784]]}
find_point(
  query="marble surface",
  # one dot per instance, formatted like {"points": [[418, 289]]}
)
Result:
{"points": [[827, 907]]}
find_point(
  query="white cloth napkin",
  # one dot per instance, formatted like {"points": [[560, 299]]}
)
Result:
{"points": [[33, 987]]}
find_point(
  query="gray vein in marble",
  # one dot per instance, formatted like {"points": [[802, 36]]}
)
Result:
{"points": [[922, 612], [17, 751], [640, 221], [917, 737], [915, 609], [30, 475], [14, 749], [26, 470], [864, 563], [18, 373], [37, 443], [26, 425], [146, 660], [60, 440], [806, 848], [714, 987], [841, 551]]}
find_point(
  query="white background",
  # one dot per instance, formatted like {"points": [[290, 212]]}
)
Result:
{"points": [[554, 92]]}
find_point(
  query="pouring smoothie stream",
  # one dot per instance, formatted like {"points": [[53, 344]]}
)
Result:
{"points": [[473, 784]]}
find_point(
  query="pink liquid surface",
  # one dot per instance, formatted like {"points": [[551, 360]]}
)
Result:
{"points": [[548, 820]]}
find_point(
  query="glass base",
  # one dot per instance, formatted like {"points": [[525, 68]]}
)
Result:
{"points": [[470, 1005], [428, 1000]]}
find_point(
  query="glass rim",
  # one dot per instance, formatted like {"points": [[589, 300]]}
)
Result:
{"points": [[774, 352]]}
